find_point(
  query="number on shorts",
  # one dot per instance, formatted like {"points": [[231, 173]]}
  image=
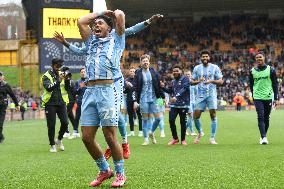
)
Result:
{"points": [[109, 113]]}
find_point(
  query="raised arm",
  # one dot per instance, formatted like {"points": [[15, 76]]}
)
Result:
{"points": [[74, 49], [119, 18], [135, 29], [85, 21], [142, 25], [61, 39]]}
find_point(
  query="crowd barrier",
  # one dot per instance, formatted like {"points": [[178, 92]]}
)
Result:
{"points": [[13, 115]]}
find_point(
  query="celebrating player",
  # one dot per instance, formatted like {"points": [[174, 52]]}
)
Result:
{"points": [[206, 76]]}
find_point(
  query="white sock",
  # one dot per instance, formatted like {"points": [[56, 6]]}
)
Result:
{"points": [[124, 140]]}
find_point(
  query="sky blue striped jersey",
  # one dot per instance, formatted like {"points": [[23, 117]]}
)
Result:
{"points": [[192, 93], [103, 56], [129, 31], [147, 93], [210, 72]]}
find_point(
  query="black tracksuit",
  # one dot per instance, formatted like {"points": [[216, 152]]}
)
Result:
{"points": [[4, 90], [180, 89], [71, 96], [79, 96], [130, 99]]}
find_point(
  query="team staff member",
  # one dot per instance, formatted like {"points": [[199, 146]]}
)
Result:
{"points": [[4, 90], [179, 103], [264, 88], [80, 88], [130, 98], [55, 99]]}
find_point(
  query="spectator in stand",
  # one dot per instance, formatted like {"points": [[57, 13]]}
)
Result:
{"points": [[169, 47]]}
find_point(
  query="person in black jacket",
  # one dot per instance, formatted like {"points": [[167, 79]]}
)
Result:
{"points": [[4, 90], [130, 98], [80, 88], [148, 90], [55, 99], [179, 102]]}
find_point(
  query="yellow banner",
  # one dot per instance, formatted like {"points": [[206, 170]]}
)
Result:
{"points": [[62, 20]]}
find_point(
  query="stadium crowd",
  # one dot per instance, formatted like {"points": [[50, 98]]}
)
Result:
{"points": [[233, 42], [31, 100]]}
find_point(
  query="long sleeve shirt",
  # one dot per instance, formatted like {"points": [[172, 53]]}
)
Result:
{"points": [[181, 91], [56, 96], [128, 31], [129, 90], [84, 50], [79, 90], [5, 90]]}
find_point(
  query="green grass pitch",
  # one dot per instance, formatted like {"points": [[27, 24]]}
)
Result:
{"points": [[238, 161]]}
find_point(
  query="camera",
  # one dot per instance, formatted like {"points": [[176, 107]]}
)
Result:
{"points": [[65, 72]]}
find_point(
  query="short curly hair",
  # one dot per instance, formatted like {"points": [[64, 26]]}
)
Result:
{"points": [[107, 19]]}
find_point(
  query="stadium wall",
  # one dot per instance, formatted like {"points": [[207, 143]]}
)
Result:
{"points": [[9, 52]]}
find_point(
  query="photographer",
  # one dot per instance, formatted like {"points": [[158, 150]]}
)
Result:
{"points": [[4, 90], [54, 99]]}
